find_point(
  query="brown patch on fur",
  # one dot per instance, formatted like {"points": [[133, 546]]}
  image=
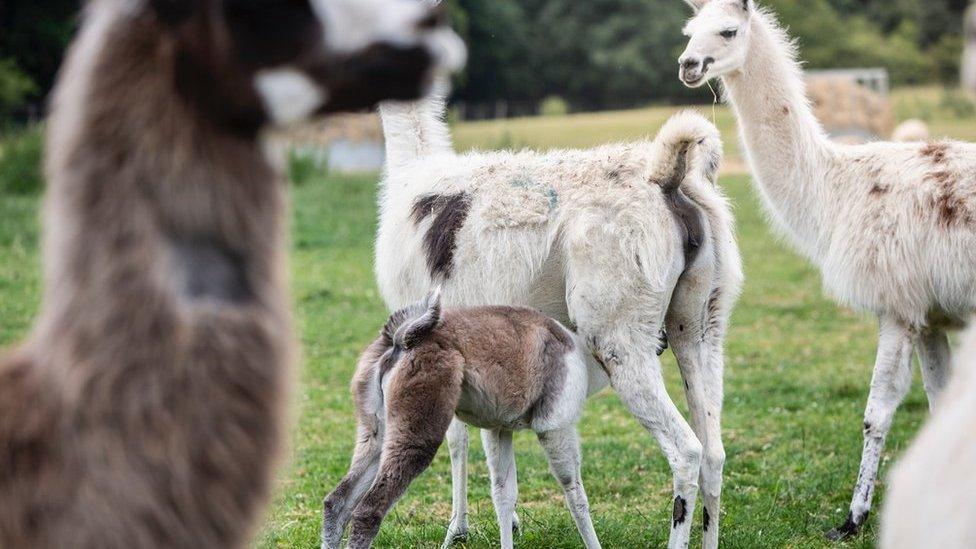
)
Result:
{"points": [[786, 110], [936, 152], [949, 205], [878, 190], [450, 212]]}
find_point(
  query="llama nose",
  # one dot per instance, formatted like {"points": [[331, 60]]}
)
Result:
{"points": [[708, 61], [689, 63]]}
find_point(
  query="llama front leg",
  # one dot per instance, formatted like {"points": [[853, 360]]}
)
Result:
{"points": [[889, 385], [934, 356], [338, 506], [500, 453], [563, 451], [457, 442]]}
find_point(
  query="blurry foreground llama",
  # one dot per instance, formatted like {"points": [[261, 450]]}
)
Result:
{"points": [[931, 500], [148, 407]]}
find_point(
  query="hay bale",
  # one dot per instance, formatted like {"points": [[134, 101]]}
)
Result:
{"points": [[849, 110]]}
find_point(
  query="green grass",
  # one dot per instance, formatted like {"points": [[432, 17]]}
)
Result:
{"points": [[797, 379]]}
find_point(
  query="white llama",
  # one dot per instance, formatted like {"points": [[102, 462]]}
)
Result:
{"points": [[892, 226], [930, 501], [619, 241]]}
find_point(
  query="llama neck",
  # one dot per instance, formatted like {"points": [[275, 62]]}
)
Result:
{"points": [[786, 147], [143, 196]]}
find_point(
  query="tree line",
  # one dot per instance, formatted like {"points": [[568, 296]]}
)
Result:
{"points": [[594, 54]]}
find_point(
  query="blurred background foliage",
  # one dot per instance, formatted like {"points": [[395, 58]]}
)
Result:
{"points": [[595, 55]]}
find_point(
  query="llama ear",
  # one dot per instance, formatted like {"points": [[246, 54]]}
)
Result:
{"points": [[434, 299], [697, 4]]}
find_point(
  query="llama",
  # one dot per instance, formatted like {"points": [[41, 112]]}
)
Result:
{"points": [[618, 242], [891, 226], [148, 407], [499, 368], [930, 500]]}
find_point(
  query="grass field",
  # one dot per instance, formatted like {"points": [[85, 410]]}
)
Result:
{"points": [[947, 112], [798, 371], [797, 375]]}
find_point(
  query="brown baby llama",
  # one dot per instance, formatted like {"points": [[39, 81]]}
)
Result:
{"points": [[498, 368], [148, 406]]}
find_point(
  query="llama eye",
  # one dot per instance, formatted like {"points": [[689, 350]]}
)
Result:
{"points": [[728, 34]]}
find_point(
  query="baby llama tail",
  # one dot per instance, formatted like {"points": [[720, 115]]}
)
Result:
{"points": [[689, 145]]}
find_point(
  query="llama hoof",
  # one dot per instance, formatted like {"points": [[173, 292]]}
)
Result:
{"points": [[847, 530], [456, 533]]}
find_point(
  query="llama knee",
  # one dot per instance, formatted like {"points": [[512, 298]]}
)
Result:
{"points": [[690, 461], [714, 462]]}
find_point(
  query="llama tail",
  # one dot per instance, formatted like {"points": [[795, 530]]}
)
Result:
{"points": [[688, 144], [413, 324], [414, 130]]}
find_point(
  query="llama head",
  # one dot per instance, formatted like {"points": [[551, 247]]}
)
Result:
{"points": [[718, 40], [281, 61]]}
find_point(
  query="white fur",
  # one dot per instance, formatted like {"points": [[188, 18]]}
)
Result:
{"points": [[930, 502], [288, 95], [354, 25], [872, 217], [587, 238]]}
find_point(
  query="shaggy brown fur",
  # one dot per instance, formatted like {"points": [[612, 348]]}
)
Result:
{"points": [[148, 407], [495, 367]]}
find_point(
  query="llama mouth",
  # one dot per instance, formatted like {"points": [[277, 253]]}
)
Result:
{"points": [[693, 81]]}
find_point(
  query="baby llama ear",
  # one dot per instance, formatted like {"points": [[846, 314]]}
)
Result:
{"points": [[697, 4], [434, 299]]}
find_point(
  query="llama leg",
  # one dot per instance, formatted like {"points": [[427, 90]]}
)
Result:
{"points": [[889, 385], [338, 506], [504, 484], [563, 451], [457, 443], [934, 357], [420, 400], [700, 359], [635, 374]]}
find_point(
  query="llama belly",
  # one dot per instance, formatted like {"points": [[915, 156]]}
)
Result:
{"points": [[485, 411], [916, 281]]}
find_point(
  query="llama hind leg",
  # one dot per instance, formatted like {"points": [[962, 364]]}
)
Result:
{"points": [[700, 358], [500, 453], [563, 451], [457, 443], [934, 357], [890, 383], [338, 506]]}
